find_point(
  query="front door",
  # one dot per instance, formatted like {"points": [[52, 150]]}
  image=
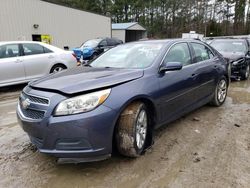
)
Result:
{"points": [[206, 70], [177, 87], [11, 64]]}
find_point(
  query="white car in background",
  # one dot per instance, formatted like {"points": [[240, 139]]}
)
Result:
{"points": [[23, 61]]}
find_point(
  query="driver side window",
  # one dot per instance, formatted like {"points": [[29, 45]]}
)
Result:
{"points": [[179, 53]]}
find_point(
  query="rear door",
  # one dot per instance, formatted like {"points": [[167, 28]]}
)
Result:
{"points": [[205, 69], [11, 64], [37, 60]]}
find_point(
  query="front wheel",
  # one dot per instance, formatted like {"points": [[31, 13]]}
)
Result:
{"points": [[220, 93], [132, 130], [245, 73]]}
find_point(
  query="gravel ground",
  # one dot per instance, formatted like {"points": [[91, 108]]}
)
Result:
{"points": [[210, 147]]}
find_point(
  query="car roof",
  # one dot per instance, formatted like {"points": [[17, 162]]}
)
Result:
{"points": [[230, 39], [23, 42], [51, 47], [168, 41]]}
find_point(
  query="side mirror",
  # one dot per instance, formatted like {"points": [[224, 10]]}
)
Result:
{"points": [[170, 66]]}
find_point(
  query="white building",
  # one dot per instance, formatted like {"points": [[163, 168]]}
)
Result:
{"points": [[128, 32], [42, 21]]}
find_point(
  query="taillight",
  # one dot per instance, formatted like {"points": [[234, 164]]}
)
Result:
{"points": [[74, 55], [77, 60]]}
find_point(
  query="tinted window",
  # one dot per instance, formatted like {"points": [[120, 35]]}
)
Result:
{"points": [[229, 45], [179, 53], [91, 43], [110, 42], [103, 43], [9, 50], [32, 49], [135, 55], [202, 52], [113, 42]]}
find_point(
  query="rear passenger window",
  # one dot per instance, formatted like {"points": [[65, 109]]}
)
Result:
{"points": [[113, 42], [179, 53], [9, 50], [110, 42], [46, 50], [32, 49], [202, 52], [103, 43]]}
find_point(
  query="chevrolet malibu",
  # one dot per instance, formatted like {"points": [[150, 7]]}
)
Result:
{"points": [[121, 98]]}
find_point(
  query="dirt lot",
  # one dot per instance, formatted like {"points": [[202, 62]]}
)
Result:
{"points": [[208, 148]]}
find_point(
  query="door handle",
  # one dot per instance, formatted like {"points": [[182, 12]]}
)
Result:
{"points": [[51, 56], [194, 75], [18, 61]]}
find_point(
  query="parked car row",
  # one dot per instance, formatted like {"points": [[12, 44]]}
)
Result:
{"points": [[22, 62], [120, 98]]}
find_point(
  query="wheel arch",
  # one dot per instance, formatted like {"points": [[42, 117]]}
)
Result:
{"points": [[227, 78], [151, 107], [56, 64]]}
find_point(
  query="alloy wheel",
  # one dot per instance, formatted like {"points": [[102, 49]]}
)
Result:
{"points": [[222, 90], [247, 72], [57, 69], [141, 129]]}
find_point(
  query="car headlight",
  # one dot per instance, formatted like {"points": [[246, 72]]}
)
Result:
{"points": [[82, 103]]}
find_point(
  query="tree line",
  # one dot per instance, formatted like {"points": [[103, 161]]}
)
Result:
{"points": [[171, 18]]}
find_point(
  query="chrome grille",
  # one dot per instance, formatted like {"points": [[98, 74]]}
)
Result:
{"points": [[33, 114], [33, 107], [35, 99]]}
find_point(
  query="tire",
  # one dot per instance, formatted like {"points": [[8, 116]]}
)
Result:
{"points": [[132, 130], [245, 73], [57, 68], [220, 93]]}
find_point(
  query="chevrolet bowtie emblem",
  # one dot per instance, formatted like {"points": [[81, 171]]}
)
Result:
{"points": [[25, 104]]}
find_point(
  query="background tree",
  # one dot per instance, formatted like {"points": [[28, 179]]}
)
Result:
{"points": [[170, 18]]}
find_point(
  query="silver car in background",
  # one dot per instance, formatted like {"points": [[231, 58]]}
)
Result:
{"points": [[23, 61]]}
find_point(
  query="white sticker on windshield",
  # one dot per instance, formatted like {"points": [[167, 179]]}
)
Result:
{"points": [[237, 43]]}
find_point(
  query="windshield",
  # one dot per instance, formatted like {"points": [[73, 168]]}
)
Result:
{"points": [[91, 43], [134, 55], [229, 46]]}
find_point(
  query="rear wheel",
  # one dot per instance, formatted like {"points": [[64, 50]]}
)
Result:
{"points": [[132, 130], [57, 68], [245, 73], [220, 93]]}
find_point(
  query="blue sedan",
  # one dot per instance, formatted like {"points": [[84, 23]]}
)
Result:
{"points": [[121, 98]]}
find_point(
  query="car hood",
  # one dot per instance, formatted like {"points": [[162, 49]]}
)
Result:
{"points": [[84, 79], [232, 56]]}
